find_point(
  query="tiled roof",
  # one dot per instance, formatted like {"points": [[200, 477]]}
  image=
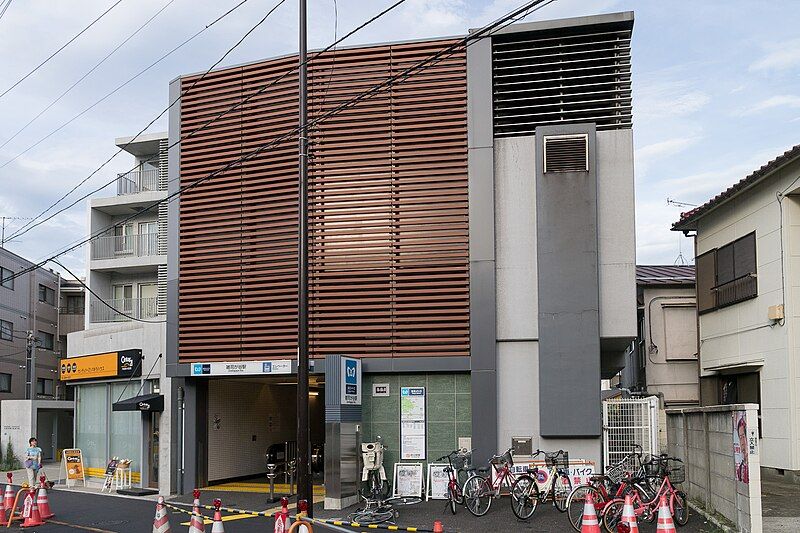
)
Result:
{"points": [[689, 218], [665, 274]]}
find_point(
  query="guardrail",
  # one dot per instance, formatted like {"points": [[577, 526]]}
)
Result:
{"points": [[137, 181], [141, 308], [117, 246]]}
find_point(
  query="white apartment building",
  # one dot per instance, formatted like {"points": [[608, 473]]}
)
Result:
{"points": [[117, 363], [748, 299]]}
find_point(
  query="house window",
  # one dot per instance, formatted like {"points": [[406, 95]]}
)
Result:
{"points": [[47, 295], [5, 278], [5, 382], [74, 305], [44, 387], [6, 330], [46, 340], [727, 275]]}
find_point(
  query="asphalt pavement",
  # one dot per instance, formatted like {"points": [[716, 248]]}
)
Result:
{"points": [[77, 512]]}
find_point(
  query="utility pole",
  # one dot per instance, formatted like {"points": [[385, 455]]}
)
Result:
{"points": [[304, 490]]}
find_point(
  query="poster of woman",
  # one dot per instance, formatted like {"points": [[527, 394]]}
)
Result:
{"points": [[740, 448]]}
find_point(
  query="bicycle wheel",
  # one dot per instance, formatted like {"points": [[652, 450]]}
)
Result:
{"points": [[561, 490], [371, 516], [577, 501], [612, 515], [679, 508], [397, 501], [453, 497], [478, 495], [524, 497]]}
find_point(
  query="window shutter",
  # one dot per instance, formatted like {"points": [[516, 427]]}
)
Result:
{"points": [[744, 253], [706, 281], [725, 270]]}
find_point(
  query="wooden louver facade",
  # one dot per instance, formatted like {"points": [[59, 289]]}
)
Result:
{"points": [[388, 251]]}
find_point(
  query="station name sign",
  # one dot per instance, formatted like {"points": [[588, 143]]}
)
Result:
{"points": [[243, 368], [122, 364]]}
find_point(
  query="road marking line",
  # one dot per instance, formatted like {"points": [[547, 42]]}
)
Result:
{"points": [[85, 528]]}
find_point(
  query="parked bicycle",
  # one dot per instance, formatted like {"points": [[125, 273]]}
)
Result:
{"points": [[645, 505], [480, 489], [458, 461], [541, 484]]}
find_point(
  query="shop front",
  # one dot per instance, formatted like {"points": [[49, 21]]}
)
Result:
{"points": [[117, 413]]}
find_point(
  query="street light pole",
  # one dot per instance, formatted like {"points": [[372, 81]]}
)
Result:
{"points": [[304, 490]]}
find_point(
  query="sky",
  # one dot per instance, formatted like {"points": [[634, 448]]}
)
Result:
{"points": [[716, 90]]}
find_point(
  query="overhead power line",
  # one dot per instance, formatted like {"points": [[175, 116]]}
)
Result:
{"points": [[27, 227], [54, 54], [466, 41], [95, 67], [4, 8]]}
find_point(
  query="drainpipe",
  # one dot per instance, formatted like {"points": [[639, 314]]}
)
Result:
{"points": [[181, 451]]}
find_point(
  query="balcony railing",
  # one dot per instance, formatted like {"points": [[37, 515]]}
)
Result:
{"points": [[737, 290], [142, 308], [137, 181], [117, 246]]}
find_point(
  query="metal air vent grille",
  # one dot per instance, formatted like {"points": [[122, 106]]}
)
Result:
{"points": [[566, 153]]}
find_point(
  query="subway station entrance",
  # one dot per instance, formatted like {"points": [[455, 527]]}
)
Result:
{"points": [[252, 422]]}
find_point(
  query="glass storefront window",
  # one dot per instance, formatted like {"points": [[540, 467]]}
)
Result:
{"points": [[126, 427], [91, 431]]}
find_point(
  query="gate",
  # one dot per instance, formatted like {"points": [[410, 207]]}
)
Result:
{"points": [[628, 421]]}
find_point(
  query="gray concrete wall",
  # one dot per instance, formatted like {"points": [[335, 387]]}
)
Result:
{"points": [[703, 437]]}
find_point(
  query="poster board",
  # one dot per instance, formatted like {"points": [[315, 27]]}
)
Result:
{"points": [[438, 481], [412, 423], [580, 470], [407, 479], [72, 461], [108, 476]]}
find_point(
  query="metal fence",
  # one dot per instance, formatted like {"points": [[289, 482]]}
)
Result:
{"points": [[629, 421], [113, 247], [142, 308], [137, 181]]}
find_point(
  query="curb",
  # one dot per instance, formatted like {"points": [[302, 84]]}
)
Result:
{"points": [[711, 518]]}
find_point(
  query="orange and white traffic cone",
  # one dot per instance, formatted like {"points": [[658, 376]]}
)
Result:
{"points": [[629, 515], [196, 524], [43, 502], [8, 495], [30, 511], [161, 520], [217, 526], [590, 523], [438, 527], [282, 517], [665, 522]]}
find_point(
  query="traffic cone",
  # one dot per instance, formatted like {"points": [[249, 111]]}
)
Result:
{"points": [[217, 526], [589, 523], [161, 520], [196, 524], [665, 522], [437, 526], [43, 502], [629, 515], [31, 511], [282, 517], [8, 495]]}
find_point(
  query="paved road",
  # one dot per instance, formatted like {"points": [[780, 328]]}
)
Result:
{"points": [[77, 512]]}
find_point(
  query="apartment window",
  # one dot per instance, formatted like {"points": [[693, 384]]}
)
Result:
{"points": [[74, 304], [5, 382], [5, 278], [6, 330], [47, 295], [727, 275], [44, 387], [46, 340]]}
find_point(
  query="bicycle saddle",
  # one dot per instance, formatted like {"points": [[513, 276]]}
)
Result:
{"points": [[598, 477], [483, 470]]}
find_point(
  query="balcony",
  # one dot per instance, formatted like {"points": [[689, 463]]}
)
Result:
{"points": [[141, 308], [738, 290], [137, 181], [122, 246]]}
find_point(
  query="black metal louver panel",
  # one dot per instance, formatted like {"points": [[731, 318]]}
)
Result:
{"points": [[562, 76], [566, 153]]}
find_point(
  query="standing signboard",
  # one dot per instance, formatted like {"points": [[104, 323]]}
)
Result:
{"points": [[351, 381], [438, 482], [111, 469], [72, 460], [407, 479], [412, 423]]}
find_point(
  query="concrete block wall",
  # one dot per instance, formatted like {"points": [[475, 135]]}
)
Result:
{"points": [[703, 438]]}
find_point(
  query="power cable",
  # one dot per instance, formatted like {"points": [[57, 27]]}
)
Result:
{"points": [[54, 54], [467, 41], [120, 87], [95, 67], [333, 59], [4, 8], [29, 226]]}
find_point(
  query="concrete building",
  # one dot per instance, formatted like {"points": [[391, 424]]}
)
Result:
{"points": [[664, 362], [29, 388], [472, 242], [748, 277], [116, 365]]}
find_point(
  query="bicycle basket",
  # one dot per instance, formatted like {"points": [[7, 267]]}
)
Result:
{"points": [[461, 461], [503, 459], [677, 474], [559, 459], [617, 472], [652, 468]]}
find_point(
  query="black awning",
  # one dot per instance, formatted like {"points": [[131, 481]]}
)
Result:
{"points": [[149, 402]]}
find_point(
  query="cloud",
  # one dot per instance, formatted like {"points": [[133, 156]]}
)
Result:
{"points": [[780, 100], [647, 155], [781, 56], [672, 98]]}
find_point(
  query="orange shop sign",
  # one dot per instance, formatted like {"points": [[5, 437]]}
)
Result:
{"points": [[122, 364]]}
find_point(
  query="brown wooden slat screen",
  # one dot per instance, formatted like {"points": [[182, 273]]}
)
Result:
{"points": [[389, 266]]}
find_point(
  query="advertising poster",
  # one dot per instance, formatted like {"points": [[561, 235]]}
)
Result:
{"points": [[408, 479], [412, 423], [73, 465], [741, 450], [438, 480]]}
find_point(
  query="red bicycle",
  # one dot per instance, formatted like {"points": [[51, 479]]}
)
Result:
{"points": [[480, 490], [458, 461]]}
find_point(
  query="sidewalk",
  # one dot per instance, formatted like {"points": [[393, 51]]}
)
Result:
{"points": [[779, 504]]}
